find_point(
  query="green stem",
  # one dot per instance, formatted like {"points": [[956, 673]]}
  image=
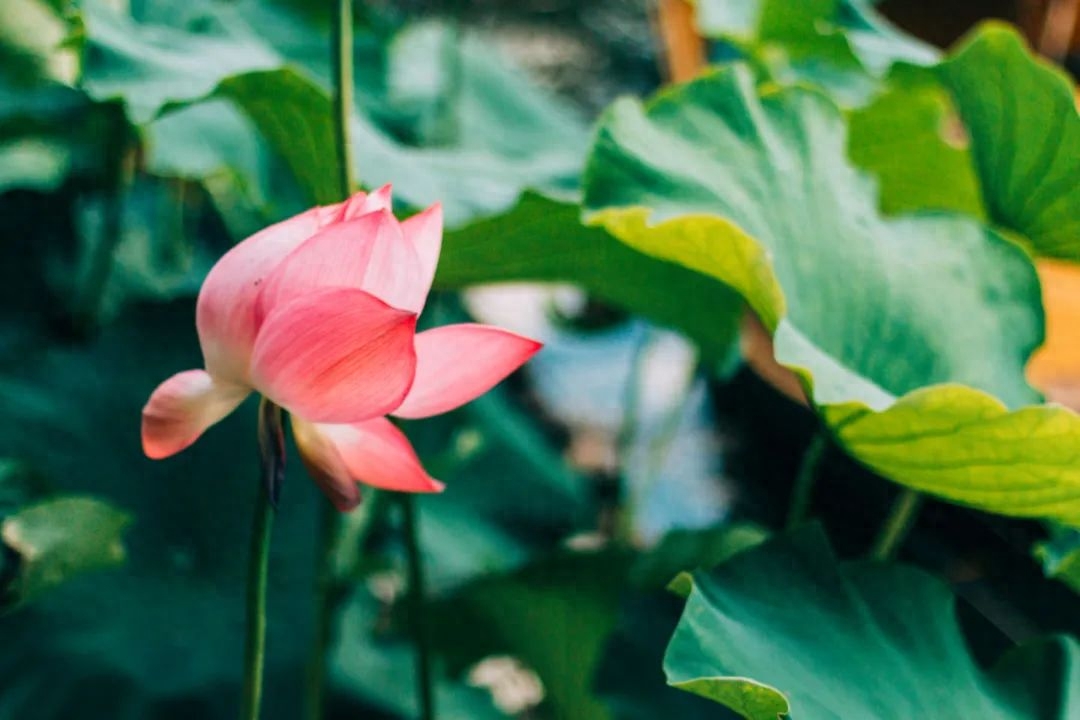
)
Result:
{"points": [[89, 298], [325, 604], [417, 618], [326, 590], [447, 128], [897, 525], [803, 489], [343, 93], [272, 452]]}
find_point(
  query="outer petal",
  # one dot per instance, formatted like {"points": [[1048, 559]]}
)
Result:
{"points": [[182, 407], [424, 232], [376, 453], [458, 363], [335, 355], [336, 256], [324, 464]]}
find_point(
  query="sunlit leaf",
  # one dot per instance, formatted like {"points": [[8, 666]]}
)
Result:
{"points": [[916, 356], [861, 641]]}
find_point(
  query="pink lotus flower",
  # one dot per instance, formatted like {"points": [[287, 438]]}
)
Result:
{"points": [[318, 313]]}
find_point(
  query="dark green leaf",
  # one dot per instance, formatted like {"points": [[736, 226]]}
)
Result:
{"points": [[786, 629]]}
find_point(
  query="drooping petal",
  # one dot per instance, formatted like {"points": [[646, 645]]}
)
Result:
{"points": [[323, 462], [335, 355], [424, 232], [458, 363], [336, 256], [376, 453], [182, 407], [361, 204]]}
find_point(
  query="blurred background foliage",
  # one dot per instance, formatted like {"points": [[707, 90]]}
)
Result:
{"points": [[140, 139]]}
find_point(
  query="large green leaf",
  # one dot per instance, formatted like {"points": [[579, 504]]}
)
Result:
{"points": [[910, 333], [862, 641], [1025, 136], [631, 677], [967, 447]]}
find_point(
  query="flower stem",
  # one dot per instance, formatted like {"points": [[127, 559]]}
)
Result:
{"points": [[897, 525], [343, 94], [89, 298], [417, 620], [805, 480], [272, 455], [326, 590], [325, 602]]}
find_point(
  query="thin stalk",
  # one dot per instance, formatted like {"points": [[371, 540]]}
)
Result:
{"points": [[897, 525], [343, 93], [89, 297], [417, 619], [272, 454], [258, 571], [447, 128], [803, 489], [326, 591], [615, 522]]}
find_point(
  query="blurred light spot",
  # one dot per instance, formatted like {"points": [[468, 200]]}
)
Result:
{"points": [[514, 687]]}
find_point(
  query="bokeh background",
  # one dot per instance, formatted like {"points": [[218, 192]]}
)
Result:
{"points": [[117, 193]]}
